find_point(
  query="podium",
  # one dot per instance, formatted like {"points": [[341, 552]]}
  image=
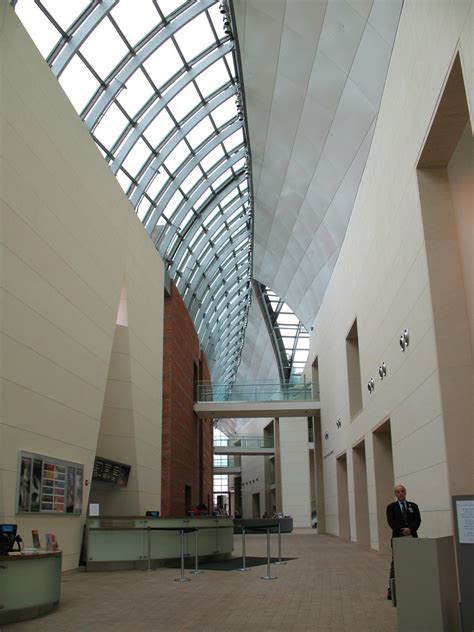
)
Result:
{"points": [[426, 585]]}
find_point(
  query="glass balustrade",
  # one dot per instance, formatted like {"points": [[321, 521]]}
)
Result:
{"points": [[257, 391], [243, 441]]}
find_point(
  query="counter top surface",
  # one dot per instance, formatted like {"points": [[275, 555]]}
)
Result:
{"points": [[17, 556]]}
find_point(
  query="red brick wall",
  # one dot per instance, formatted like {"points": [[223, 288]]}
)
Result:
{"points": [[181, 435]]}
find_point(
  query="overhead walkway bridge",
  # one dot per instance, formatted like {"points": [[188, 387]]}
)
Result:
{"points": [[257, 399]]}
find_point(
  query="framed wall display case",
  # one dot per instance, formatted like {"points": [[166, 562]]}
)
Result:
{"points": [[48, 485]]}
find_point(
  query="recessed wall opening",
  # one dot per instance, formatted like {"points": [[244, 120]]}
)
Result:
{"points": [[446, 186], [343, 497], [384, 480], [361, 494], [319, 473], [315, 378], [353, 370], [256, 505]]}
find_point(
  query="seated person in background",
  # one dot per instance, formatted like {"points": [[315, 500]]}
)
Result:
{"points": [[201, 510]]}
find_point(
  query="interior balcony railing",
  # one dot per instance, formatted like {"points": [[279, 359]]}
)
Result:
{"points": [[257, 391], [225, 460], [244, 441]]}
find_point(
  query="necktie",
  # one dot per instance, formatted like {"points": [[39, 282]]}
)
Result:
{"points": [[404, 511]]}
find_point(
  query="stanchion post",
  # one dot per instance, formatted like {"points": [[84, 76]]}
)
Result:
{"points": [[279, 545], [182, 578], [269, 574], [244, 568], [196, 570], [149, 548]]}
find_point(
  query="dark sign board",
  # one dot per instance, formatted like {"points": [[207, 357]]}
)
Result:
{"points": [[111, 472]]}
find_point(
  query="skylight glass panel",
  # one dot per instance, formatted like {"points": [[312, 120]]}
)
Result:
{"points": [[239, 165], [135, 21], [104, 57], [177, 156], [40, 28], [230, 62], [109, 128], [65, 13], [236, 139], [195, 37], [169, 6], [136, 157], [184, 102], [78, 83], [163, 64], [142, 208], [225, 112], [200, 132], [173, 204], [159, 129], [158, 182], [212, 158], [211, 216], [202, 199], [135, 93], [123, 180], [221, 179], [190, 181], [213, 78]]}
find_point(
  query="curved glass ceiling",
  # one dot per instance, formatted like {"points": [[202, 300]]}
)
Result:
{"points": [[289, 338], [156, 84]]}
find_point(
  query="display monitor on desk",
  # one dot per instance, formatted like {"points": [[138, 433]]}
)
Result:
{"points": [[152, 514]]}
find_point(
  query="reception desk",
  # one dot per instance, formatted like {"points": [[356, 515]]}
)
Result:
{"points": [[30, 585], [120, 543]]}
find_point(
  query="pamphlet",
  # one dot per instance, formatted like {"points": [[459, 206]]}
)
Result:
{"points": [[35, 538], [51, 542]]}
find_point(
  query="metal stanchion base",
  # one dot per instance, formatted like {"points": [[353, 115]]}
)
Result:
{"points": [[279, 563], [244, 569], [182, 579], [268, 577], [198, 572]]}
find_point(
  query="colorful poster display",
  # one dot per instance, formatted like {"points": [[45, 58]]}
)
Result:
{"points": [[48, 485]]}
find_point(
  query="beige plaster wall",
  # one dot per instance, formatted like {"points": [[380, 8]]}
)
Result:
{"points": [[461, 181], [381, 279], [295, 471], [69, 242]]}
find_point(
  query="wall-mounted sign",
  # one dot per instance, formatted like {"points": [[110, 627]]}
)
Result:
{"points": [[111, 472], [48, 485]]}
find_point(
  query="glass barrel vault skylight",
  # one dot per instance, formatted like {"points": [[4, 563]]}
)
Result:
{"points": [[156, 84]]}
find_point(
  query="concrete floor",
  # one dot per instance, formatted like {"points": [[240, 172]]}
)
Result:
{"points": [[332, 586]]}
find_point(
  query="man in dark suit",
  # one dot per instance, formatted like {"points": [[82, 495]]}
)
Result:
{"points": [[404, 519]]}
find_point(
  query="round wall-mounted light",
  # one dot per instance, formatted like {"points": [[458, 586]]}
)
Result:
{"points": [[404, 340]]}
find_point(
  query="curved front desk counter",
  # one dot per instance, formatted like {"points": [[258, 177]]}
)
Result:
{"points": [[30, 585], [121, 543]]}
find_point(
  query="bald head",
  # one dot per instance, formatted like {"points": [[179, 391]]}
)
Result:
{"points": [[400, 492]]}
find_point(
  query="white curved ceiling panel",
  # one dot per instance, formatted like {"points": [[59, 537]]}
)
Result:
{"points": [[314, 74]]}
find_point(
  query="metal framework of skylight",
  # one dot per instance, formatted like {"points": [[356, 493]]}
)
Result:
{"points": [[158, 87], [289, 338]]}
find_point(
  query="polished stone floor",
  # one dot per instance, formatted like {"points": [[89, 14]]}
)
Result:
{"points": [[330, 586]]}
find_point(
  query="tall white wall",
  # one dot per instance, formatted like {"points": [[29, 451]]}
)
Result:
{"points": [[295, 470], [69, 243], [382, 279]]}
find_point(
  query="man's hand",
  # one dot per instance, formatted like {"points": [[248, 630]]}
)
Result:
{"points": [[406, 531]]}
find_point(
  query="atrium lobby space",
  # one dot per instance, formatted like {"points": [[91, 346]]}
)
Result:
{"points": [[327, 586]]}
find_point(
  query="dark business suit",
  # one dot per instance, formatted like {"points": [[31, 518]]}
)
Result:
{"points": [[397, 521]]}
